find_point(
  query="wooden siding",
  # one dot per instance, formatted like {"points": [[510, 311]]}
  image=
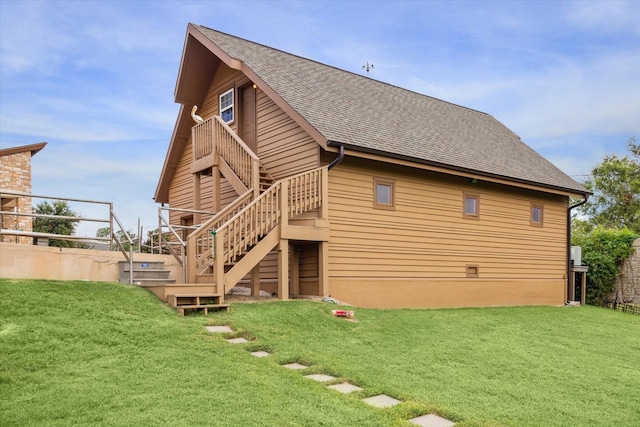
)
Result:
{"points": [[284, 148], [417, 253]]}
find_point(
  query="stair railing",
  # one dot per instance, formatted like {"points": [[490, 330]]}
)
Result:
{"points": [[200, 242], [283, 200]]}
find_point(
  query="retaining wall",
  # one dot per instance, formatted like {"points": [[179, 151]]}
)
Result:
{"points": [[46, 262]]}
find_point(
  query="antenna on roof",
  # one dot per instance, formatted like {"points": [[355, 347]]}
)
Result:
{"points": [[367, 67]]}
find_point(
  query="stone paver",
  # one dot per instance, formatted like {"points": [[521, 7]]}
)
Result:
{"points": [[294, 366], [381, 401], [320, 377], [260, 354], [237, 340], [218, 329], [345, 388], [431, 420]]}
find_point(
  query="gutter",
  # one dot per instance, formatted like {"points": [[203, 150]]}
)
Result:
{"points": [[338, 159], [569, 276]]}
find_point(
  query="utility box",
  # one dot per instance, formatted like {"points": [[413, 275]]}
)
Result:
{"points": [[576, 255]]}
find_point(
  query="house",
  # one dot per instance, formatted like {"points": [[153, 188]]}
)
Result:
{"points": [[304, 179], [15, 177]]}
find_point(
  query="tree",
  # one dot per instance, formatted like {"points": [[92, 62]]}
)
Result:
{"points": [[615, 183], [61, 226]]}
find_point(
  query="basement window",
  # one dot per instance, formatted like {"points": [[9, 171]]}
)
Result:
{"points": [[536, 215], [226, 106], [384, 193], [473, 270], [471, 206]]}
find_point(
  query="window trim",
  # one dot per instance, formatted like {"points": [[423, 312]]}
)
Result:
{"points": [[472, 270], [232, 106], [387, 182], [466, 196], [536, 223]]}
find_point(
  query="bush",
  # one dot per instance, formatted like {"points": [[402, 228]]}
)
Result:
{"points": [[603, 250]]}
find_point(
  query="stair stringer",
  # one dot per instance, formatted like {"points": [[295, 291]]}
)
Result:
{"points": [[251, 258]]}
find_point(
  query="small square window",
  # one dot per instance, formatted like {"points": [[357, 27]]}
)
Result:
{"points": [[473, 270], [471, 206], [226, 106], [536, 215], [383, 193]]}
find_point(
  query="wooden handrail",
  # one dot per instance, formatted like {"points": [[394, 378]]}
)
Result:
{"points": [[200, 241], [285, 199]]}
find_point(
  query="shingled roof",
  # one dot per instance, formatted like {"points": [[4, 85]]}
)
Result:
{"points": [[365, 114]]}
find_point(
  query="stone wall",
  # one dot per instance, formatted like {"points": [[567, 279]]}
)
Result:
{"points": [[16, 176], [628, 283]]}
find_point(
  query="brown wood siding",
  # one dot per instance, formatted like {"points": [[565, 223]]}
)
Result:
{"points": [[284, 148], [426, 239]]}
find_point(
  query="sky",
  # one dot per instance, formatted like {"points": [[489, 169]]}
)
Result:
{"points": [[95, 80]]}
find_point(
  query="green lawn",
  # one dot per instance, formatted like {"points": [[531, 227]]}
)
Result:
{"points": [[81, 353]]}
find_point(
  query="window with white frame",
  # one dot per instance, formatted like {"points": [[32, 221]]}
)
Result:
{"points": [[227, 106]]}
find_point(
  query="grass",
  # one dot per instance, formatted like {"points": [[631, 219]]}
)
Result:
{"points": [[78, 353]]}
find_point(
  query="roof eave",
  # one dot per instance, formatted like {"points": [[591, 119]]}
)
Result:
{"points": [[458, 171]]}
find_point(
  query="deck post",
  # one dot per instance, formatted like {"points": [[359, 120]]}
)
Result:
{"points": [[295, 269], [323, 269], [255, 281], [197, 216], [283, 269]]}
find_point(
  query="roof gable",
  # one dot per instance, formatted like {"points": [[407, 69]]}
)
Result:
{"points": [[342, 108]]}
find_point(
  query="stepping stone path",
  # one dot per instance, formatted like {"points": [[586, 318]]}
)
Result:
{"points": [[379, 401], [345, 388], [320, 377], [294, 366], [218, 329], [431, 420]]}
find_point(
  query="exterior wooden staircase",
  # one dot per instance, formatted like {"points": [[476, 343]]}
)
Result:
{"points": [[266, 214]]}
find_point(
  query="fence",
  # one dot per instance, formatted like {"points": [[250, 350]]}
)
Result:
{"points": [[624, 307], [118, 238]]}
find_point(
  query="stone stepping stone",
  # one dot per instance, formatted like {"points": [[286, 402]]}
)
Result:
{"points": [[294, 366], [345, 388], [218, 329], [320, 377], [381, 401], [431, 420], [237, 340], [260, 354]]}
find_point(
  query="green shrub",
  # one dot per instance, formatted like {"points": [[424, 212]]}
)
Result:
{"points": [[603, 250]]}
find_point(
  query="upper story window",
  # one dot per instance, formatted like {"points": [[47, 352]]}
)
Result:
{"points": [[227, 106], [384, 193], [471, 206], [536, 215]]}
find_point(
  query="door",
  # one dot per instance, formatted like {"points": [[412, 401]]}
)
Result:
{"points": [[247, 125]]}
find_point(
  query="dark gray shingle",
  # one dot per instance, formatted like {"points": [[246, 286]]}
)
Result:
{"points": [[367, 114]]}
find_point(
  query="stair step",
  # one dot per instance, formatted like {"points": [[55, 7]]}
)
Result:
{"points": [[204, 308]]}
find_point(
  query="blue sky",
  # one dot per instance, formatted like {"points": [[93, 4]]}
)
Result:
{"points": [[96, 79]]}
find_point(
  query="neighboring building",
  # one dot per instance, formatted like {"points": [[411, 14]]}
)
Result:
{"points": [[15, 176], [383, 197]]}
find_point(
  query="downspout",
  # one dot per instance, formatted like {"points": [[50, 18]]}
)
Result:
{"points": [[338, 159], [569, 277]]}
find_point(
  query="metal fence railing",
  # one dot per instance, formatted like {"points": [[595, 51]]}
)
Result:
{"points": [[624, 307], [117, 237]]}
